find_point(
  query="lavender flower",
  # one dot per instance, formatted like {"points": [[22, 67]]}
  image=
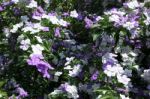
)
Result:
{"points": [[22, 92], [88, 22], [95, 75], [57, 32], [1, 8], [42, 66], [37, 14]]}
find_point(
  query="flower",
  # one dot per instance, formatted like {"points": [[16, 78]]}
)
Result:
{"points": [[75, 71], [24, 18], [57, 32], [38, 38], [74, 14], [63, 23], [146, 75], [1, 8], [124, 97], [34, 59], [88, 22], [95, 75], [42, 66], [25, 44], [37, 49], [22, 92], [123, 79], [16, 27], [71, 91], [131, 25], [37, 14], [32, 4], [132, 4], [69, 60]]}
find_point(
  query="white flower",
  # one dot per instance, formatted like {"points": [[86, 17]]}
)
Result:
{"points": [[55, 92], [146, 75], [47, 1], [72, 92], [124, 97], [53, 19], [68, 60], [114, 18], [25, 44], [15, 1], [58, 73], [68, 67], [133, 4], [125, 56], [129, 25], [128, 72], [45, 16], [6, 32], [39, 39], [74, 14], [20, 37], [24, 18], [63, 23], [37, 49], [76, 70], [16, 27], [123, 79], [147, 14], [108, 56], [109, 71], [32, 4], [32, 27], [113, 70], [99, 18]]}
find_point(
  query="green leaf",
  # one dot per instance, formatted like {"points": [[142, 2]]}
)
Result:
{"points": [[95, 36]]}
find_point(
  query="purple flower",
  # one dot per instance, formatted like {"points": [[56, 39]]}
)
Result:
{"points": [[1, 8], [9, 3], [80, 17], [21, 92], [41, 65], [16, 11], [95, 75], [109, 62], [63, 87], [38, 13], [34, 59], [45, 29], [65, 14], [57, 32], [88, 22]]}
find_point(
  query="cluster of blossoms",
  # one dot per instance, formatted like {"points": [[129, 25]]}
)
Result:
{"points": [[65, 53]]}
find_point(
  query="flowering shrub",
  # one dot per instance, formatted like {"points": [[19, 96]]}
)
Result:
{"points": [[49, 49]]}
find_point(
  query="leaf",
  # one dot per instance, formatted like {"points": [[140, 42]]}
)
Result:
{"points": [[1, 83], [95, 36]]}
